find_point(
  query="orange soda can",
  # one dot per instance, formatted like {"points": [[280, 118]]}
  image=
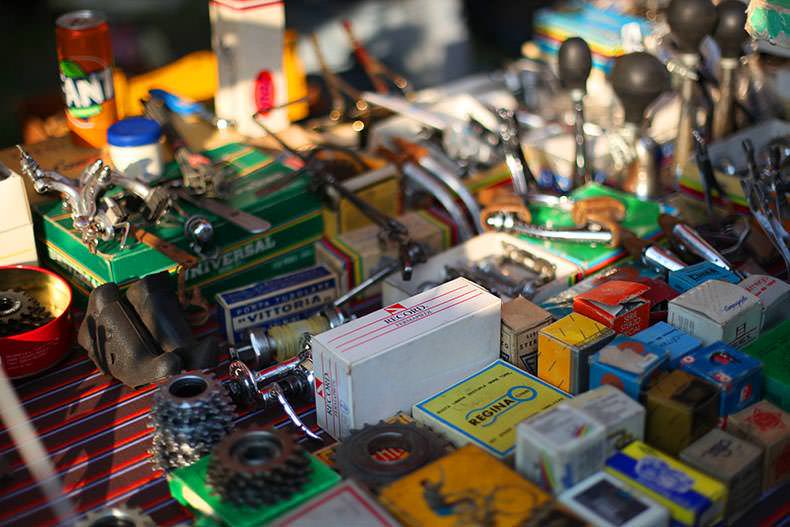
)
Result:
{"points": [[85, 63]]}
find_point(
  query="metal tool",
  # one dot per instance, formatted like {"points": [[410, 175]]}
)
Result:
{"points": [[508, 222], [707, 175], [249, 222], [731, 36], [200, 175], [508, 133], [690, 22], [574, 61], [760, 205], [338, 88], [650, 253], [183, 106], [692, 241], [378, 73], [638, 79]]}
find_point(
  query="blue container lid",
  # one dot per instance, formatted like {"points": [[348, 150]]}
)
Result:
{"points": [[134, 131]]}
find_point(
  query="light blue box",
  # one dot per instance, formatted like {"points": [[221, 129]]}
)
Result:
{"points": [[674, 342], [694, 275], [629, 382]]}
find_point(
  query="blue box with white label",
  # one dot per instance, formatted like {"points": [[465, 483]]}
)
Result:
{"points": [[626, 364], [738, 376], [690, 277], [672, 341], [282, 299]]}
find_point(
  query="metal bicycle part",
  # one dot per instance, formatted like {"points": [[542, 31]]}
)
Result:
{"points": [[116, 517], [355, 455], [509, 223]]}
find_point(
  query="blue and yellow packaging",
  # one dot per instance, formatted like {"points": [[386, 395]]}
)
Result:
{"points": [[692, 498]]}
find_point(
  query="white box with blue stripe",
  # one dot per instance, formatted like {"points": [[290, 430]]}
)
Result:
{"points": [[283, 299]]}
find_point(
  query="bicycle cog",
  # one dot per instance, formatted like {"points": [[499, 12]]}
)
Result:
{"points": [[354, 457], [257, 466], [20, 312], [120, 516], [190, 414]]}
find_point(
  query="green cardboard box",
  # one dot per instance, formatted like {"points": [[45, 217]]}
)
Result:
{"points": [[293, 211], [771, 349]]}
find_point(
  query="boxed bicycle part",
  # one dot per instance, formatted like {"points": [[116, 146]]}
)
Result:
{"points": [[690, 277], [293, 211], [773, 294], [465, 487], [345, 504], [282, 299], [680, 408], [771, 349], [617, 304], [521, 322], [357, 254], [768, 427], [627, 364], [734, 462], [692, 498], [426, 342], [189, 487], [559, 447], [716, 311], [738, 376], [485, 408], [622, 418], [605, 501], [248, 41], [17, 241], [477, 249], [674, 343], [564, 349]]}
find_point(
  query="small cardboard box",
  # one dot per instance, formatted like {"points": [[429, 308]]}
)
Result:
{"points": [[692, 498], [345, 504], [622, 417], [738, 376], [485, 408], [560, 447], [734, 462], [617, 304], [699, 273], [564, 349], [465, 487], [716, 311], [627, 364], [17, 242], [771, 349], [767, 426], [521, 322], [659, 295], [605, 501], [681, 408], [283, 299], [674, 343], [773, 294], [425, 342]]}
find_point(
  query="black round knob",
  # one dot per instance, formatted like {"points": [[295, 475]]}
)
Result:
{"points": [[575, 63], [638, 79], [730, 31], [691, 21]]}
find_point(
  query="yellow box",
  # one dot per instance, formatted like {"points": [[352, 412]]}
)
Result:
{"points": [[564, 349], [691, 497], [466, 487], [485, 408]]}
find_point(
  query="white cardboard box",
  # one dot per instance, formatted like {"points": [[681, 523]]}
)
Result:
{"points": [[559, 447], [475, 249], [605, 501], [717, 310], [17, 241], [385, 362], [622, 417], [773, 294]]}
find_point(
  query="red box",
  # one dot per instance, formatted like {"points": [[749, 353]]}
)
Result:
{"points": [[617, 304]]}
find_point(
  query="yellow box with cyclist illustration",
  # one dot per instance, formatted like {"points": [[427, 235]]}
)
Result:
{"points": [[465, 487], [484, 408]]}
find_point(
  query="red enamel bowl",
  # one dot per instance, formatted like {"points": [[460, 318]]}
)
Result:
{"points": [[39, 349]]}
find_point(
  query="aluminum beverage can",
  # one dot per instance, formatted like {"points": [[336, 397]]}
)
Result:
{"points": [[85, 64]]}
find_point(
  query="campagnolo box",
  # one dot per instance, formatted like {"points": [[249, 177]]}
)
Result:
{"points": [[283, 299], [773, 294], [485, 408], [560, 447], [605, 501], [622, 418], [372, 367]]}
